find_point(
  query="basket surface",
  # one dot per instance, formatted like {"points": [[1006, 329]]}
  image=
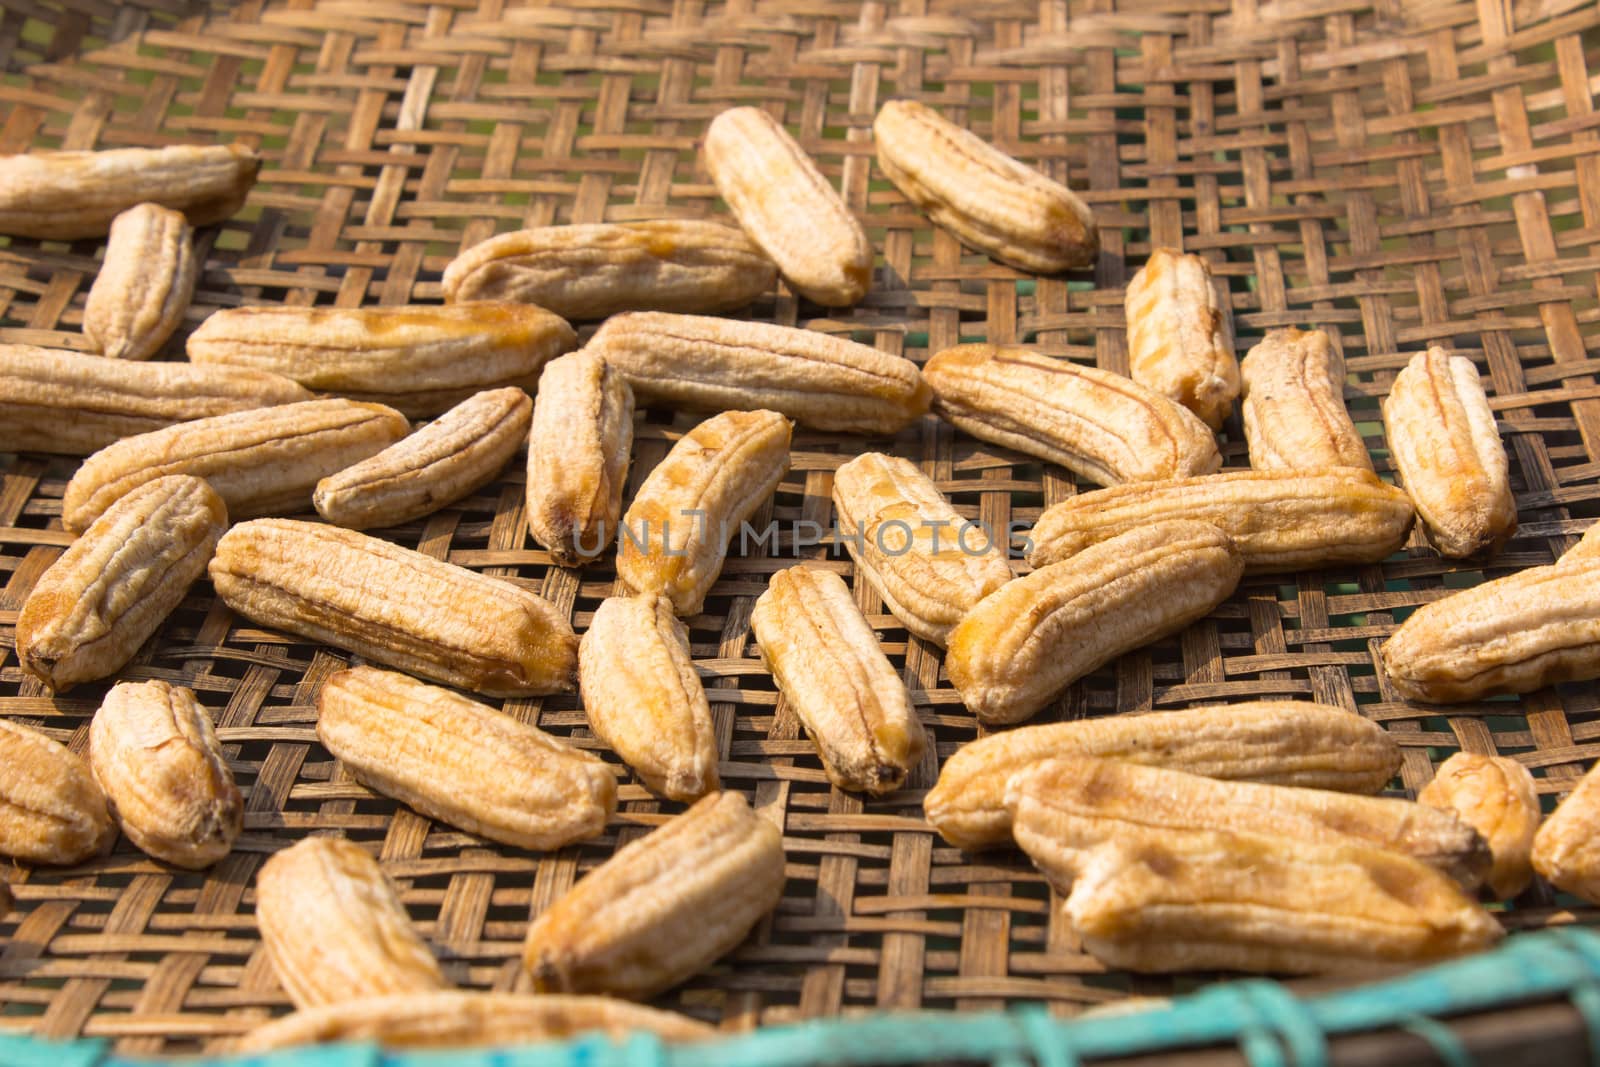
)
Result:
{"points": [[1398, 174]]}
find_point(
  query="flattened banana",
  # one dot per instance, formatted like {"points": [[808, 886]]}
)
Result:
{"points": [[144, 285], [1178, 343], [1294, 413]]}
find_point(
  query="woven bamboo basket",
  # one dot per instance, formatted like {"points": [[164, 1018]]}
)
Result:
{"points": [[1399, 173]]}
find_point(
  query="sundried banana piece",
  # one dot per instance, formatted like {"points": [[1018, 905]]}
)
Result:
{"points": [[260, 462], [459, 1019], [89, 613], [334, 928], [1097, 424], [72, 404], [1023, 644], [1294, 413], [827, 663], [826, 383], [144, 285], [420, 360], [1511, 635], [68, 195], [1566, 848], [662, 908], [1280, 520], [985, 197], [644, 699], [441, 463], [578, 450], [154, 752], [787, 207], [928, 563], [1496, 796], [1445, 445], [1588, 546], [1278, 742], [1159, 903], [51, 809], [1060, 807], [462, 762], [675, 534], [396, 607], [590, 272], [1178, 341]]}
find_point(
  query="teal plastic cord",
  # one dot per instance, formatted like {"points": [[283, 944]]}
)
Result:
{"points": [[1443, 1040]]}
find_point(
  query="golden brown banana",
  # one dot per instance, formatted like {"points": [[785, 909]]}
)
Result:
{"points": [[395, 606], [144, 285], [827, 663], [644, 699], [1099, 425], [590, 272], [1294, 413], [1566, 849], [443, 462], [462, 762], [1022, 645], [675, 534], [51, 809], [928, 563], [1178, 343], [89, 613], [1494, 795]]}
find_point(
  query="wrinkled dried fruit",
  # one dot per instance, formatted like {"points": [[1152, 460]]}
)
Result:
{"points": [[443, 462], [1023, 644], [590, 272], [985, 197], [462, 762], [1097, 424], [828, 665], [1279, 742], [787, 207], [1566, 849], [114, 586], [643, 698], [334, 928], [1495, 796], [144, 284], [663, 907], [51, 810], [156, 755], [1294, 413], [675, 534], [395, 606], [1178, 343]]}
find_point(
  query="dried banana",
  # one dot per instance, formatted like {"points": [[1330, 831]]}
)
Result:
{"points": [[578, 451], [1023, 644], [826, 383], [1280, 520], [985, 197], [675, 534], [420, 360], [396, 607], [260, 462], [662, 908], [51, 810], [154, 752], [113, 587], [1496, 797], [68, 195], [1566, 849], [1511, 635], [72, 404], [827, 663], [1448, 452], [1294, 413], [457, 1020], [1279, 742], [1178, 343], [590, 272], [644, 699], [787, 207], [441, 463], [144, 284], [335, 929], [928, 563], [1099, 425], [1063, 806], [462, 762], [1252, 902]]}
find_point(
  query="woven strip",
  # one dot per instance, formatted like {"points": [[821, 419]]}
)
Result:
{"points": [[1396, 173]]}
